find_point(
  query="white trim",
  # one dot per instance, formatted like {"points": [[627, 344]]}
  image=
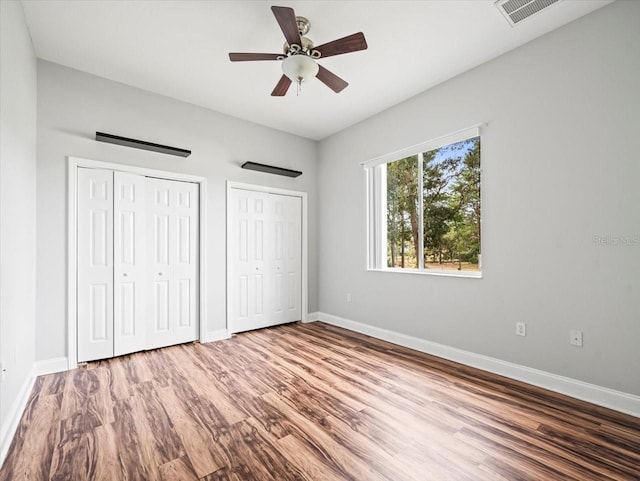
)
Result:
{"points": [[452, 138], [227, 274], [72, 268], [264, 188], [132, 169], [50, 366], [420, 252], [314, 316], [602, 396], [369, 190], [72, 186], [376, 203], [429, 272], [202, 260], [219, 335], [305, 240], [305, 257], [14, 415]]}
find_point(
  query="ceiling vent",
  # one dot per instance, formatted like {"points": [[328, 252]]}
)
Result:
{"points": [[515, 11]]}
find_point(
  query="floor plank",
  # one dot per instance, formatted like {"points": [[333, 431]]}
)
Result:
{"points": [[309, 402]]}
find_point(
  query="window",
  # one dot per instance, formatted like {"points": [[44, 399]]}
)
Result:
{"points": [[424, 207]]}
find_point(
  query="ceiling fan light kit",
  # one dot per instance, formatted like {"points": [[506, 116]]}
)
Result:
{"points": [[299, 59], [300, 68]]}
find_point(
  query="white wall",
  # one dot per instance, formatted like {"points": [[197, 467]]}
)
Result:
{"points": [[72, 106], [17, 210], [560, 166]]}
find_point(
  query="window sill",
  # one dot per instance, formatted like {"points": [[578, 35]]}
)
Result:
{"points": [[432, 272]]}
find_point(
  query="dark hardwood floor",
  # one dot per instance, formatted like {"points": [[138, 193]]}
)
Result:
{"points": [[310, 402]]}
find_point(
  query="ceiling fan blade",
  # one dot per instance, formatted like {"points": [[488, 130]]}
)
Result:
{"points": [[331, 80], [286, 18], [350, 43], [281, 87], [244, 57]]}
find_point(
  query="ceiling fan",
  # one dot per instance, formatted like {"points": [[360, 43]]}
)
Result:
{"points": [[300, 55]]}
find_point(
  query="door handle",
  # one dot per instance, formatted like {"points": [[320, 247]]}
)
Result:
{"points": [[124, 274]]}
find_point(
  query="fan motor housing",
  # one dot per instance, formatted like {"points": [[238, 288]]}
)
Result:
{"points": [[307, 46], [306, 43]]}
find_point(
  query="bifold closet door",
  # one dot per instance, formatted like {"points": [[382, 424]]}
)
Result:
{"points": [[265, 259], [95, 264], [137, 257], [172, 259], [287, 257], [249, 290], [129, 269]]}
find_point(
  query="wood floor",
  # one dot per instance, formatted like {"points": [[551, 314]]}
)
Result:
{"points": [[309, 402]]}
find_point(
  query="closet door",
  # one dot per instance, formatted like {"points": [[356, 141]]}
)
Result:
{"points": [[249, 306], [172, 249], [287, 257], [264, 259], [95, 264], [129, 263]]}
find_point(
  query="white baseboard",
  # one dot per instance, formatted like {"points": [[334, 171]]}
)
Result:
{"points": [[14, 415], [40, 368], [313, 316], [50, 366], [218, 335], [602, 396]]}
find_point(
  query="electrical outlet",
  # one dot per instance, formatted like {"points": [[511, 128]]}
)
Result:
{"points": [[348, 297], [521, 329], [575, 338]]}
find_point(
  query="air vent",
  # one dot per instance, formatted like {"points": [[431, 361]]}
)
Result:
{"points": [[515, 11]]}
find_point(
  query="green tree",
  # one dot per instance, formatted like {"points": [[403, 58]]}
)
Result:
{"points": [[466, 200], [437, 175], [402, 218], [451, 185]]}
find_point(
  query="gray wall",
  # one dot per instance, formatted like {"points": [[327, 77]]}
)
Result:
{"points": [[72, 106], [17, 205], [560, 166]]}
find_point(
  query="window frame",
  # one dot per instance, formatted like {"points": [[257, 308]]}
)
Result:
{"points": [[377, 205]]}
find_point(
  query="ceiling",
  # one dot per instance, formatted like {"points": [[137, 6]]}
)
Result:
{"points": [[180, 49]]}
